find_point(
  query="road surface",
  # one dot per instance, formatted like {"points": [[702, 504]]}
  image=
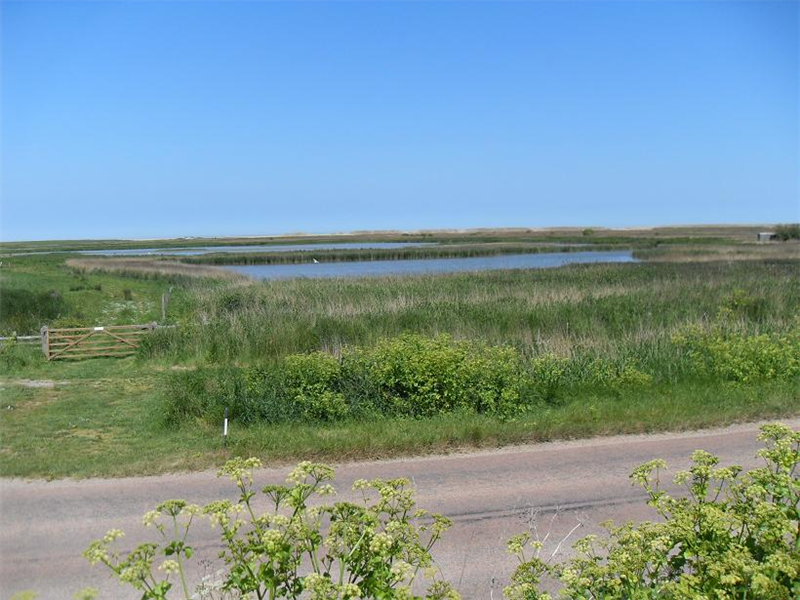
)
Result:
{"points": [[44, 526]]}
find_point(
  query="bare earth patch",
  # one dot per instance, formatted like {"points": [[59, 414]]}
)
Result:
{"points": [[34, 383]]}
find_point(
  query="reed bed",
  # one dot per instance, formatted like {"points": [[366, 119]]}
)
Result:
{"points": [[136, 267], [614, 309], [370, 254]]}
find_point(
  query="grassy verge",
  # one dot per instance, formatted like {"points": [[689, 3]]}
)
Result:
{"points": [[103, 418]]}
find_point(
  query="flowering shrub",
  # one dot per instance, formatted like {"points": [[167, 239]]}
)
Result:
{"points": [[373, 548], [410, 376], [741, 358], [616, 376], [419, 376], [734, 535], [311, 381]]}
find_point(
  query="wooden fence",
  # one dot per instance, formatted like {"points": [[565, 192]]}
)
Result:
{"points": [[90, 342], [21, 339]]}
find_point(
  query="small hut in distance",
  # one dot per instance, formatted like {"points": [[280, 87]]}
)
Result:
{"points": [[766, 236]]}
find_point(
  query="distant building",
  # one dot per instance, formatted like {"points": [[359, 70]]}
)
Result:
{"points": [[767, 236]]}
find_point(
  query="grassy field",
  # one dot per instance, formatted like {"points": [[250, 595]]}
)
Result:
{"points": [[106, 417]]}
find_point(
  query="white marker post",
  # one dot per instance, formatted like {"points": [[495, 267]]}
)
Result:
{"points": [[225, 429]]}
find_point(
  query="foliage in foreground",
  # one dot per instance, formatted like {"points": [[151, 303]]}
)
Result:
{"points": [[731, 535], [374, 548]]}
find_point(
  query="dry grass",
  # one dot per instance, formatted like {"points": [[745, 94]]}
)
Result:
{"points": [[706, 253], [149, 267]]}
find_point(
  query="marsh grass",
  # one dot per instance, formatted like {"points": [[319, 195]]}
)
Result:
{"points": [[105, 417], [618, 310], [43, 290], [149, 269], [415, 252], [787, 250]]}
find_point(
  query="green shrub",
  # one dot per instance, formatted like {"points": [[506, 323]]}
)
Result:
{"points": [[410, 376], [740, 358], [617, 376], [787, 232], [420, 376], [729, 535], [312, 382]]}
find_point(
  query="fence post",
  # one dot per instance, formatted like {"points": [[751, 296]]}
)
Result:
{"points": [[45, 342]]}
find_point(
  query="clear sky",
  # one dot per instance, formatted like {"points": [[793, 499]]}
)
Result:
{"points": [[139, 119]]}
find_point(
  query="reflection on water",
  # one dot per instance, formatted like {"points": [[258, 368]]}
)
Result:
{"points": [[430, 265]]}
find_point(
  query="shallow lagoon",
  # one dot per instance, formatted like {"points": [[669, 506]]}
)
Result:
{"points": [[376, 268]]}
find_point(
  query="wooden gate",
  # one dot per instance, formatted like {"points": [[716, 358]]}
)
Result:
{"points": [[90, 342]]}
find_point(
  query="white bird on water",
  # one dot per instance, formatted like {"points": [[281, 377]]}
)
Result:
{"points": [[316, 262]]}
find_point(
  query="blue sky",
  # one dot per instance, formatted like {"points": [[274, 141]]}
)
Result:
{"points": [[140, 119]]}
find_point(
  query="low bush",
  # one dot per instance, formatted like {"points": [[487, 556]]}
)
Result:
{"points": [[741, 358], [311, 382], [787, 232], [418, 376]]}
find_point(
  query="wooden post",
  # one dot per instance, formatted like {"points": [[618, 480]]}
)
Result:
{"points": [[45, 342], [165, 298]]}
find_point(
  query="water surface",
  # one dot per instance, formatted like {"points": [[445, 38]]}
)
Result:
{"points": [[375, 268]]}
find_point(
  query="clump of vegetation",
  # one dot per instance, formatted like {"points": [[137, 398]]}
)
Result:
{"points": [[25, 311], [407, 376], [731, 535], [741, 358], [419, 376], [371, 548], [788, 232]]}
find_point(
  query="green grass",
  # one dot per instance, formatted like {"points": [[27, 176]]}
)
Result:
{"points": [[84, 298], [105, 417], [104, 420], [614, 309]]}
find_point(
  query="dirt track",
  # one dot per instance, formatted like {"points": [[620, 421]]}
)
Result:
{"points": [[44, 526]]}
